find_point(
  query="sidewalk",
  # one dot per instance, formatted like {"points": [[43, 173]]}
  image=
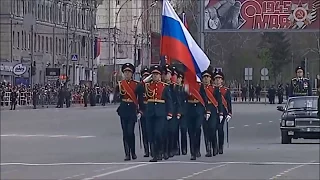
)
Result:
{"points": [[262, 101]]}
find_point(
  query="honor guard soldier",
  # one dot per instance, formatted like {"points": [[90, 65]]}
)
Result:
{"points": [[214, 113], [169, 143], [300, 86], [142, 98], [182, 122], [159, 110], [128, 110], [226, 108], [196, 109]]}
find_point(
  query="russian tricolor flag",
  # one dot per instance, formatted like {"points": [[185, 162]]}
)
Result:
{"points": [[178, 44]]}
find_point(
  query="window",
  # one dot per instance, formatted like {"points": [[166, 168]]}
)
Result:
{"points": [[18, 8], [43, 15], [50, 44], [56, 46], [23, 7], [48, 13], [42, 43], [118, 2], [29, 7], [18, 38], [39, 12], [47, 44], [13, 39], [25, 40], [35, 43], [51, 14], [60, 46], [29, 41], [39, 42], [63, 46]]}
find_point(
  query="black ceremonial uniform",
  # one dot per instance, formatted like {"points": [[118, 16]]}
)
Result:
{"points": [[226, 109], [142, 98], [159, 108], [196, 109], [214, 108], [13, 99], [127, 111], [300, 86]]}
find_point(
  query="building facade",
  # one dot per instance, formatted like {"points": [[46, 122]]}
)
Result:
{"points": [[49, 33], [132, 22]]}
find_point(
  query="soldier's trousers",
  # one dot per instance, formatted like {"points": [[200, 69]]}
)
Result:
{"points": [[212, 129], [155, 128], [220, 128], [127, 126], [183, 124], [173, 137], [206, 132], [194, 128], [143, 121]]}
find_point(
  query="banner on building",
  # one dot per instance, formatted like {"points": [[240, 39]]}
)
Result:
{"points": [[52, 71], [251, 15]]}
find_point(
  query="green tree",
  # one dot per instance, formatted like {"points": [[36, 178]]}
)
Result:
{"points": [[279, 48]]}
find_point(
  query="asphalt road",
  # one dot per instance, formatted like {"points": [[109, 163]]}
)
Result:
{"points": [[86, 144]]}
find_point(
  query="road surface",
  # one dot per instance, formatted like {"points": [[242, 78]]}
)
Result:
{"points": [[86, 144]]}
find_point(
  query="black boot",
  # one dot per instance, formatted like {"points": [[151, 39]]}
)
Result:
{"points": [[192, 150], [126, 151], [146, 149], [214, 148], [154, 153], [177, 145], [209, 150], [166, 149], [133, 148], [220, 149]]}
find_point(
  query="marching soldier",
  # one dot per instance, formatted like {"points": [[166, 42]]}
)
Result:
{"points": [[142, 108], [169, 141], [182, 122], [196, 109], [214, 113], [226, 108], [300, 86], [128, 109], [159, 110]]}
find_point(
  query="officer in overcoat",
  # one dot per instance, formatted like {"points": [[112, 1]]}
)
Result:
{"points": [[128, 109], [159, 110], [196, 110], [226, 107], [300, 86], [142, 98]]}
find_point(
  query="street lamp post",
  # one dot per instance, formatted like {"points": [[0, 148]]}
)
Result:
{"points": [[136, 32], [115, 42]]}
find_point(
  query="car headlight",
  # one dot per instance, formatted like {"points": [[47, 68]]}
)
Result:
{"points": [[283, 123], [289, 123]]}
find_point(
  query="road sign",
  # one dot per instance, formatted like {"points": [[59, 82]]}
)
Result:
{"points": [[264, 78], [264, 71], [74, 57], [248, 74]]}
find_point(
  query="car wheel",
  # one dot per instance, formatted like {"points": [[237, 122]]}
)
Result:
{"points": [[285, 139]]}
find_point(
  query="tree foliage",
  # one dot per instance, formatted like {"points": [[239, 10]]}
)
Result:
{"points": [[277, 47]]}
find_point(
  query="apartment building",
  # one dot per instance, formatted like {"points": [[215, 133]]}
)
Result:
{"points": [[133, 22], [62, 28]]}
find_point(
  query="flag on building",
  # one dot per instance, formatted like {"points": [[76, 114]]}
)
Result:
{"points": [[178, 44], [97, 50]]}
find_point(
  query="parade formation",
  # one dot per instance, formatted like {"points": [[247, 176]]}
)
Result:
{"points": [[168, 111]]}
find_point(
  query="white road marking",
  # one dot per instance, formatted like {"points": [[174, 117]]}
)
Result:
{"points": [[270, 121], [74, 176], [116, 171], [162, 162], [288, 170], [200, 172], [5, 172], [231, 127], [246, 125], [45, 136], [259, 123]]}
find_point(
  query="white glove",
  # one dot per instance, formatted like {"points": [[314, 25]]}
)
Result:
{"points": [[169, 117], [207, 116], [228, 118], [139, 116], [221, 118], [178, 116]]}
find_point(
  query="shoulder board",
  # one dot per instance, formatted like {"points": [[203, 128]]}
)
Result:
{"points": [[165, 83], [136, 81], [293, 79], [306, 79]]}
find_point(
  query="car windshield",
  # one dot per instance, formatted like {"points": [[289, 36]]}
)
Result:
{"points": [[303, 103]]}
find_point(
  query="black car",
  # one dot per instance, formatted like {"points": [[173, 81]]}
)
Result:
{"points": [[299, 119]]}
